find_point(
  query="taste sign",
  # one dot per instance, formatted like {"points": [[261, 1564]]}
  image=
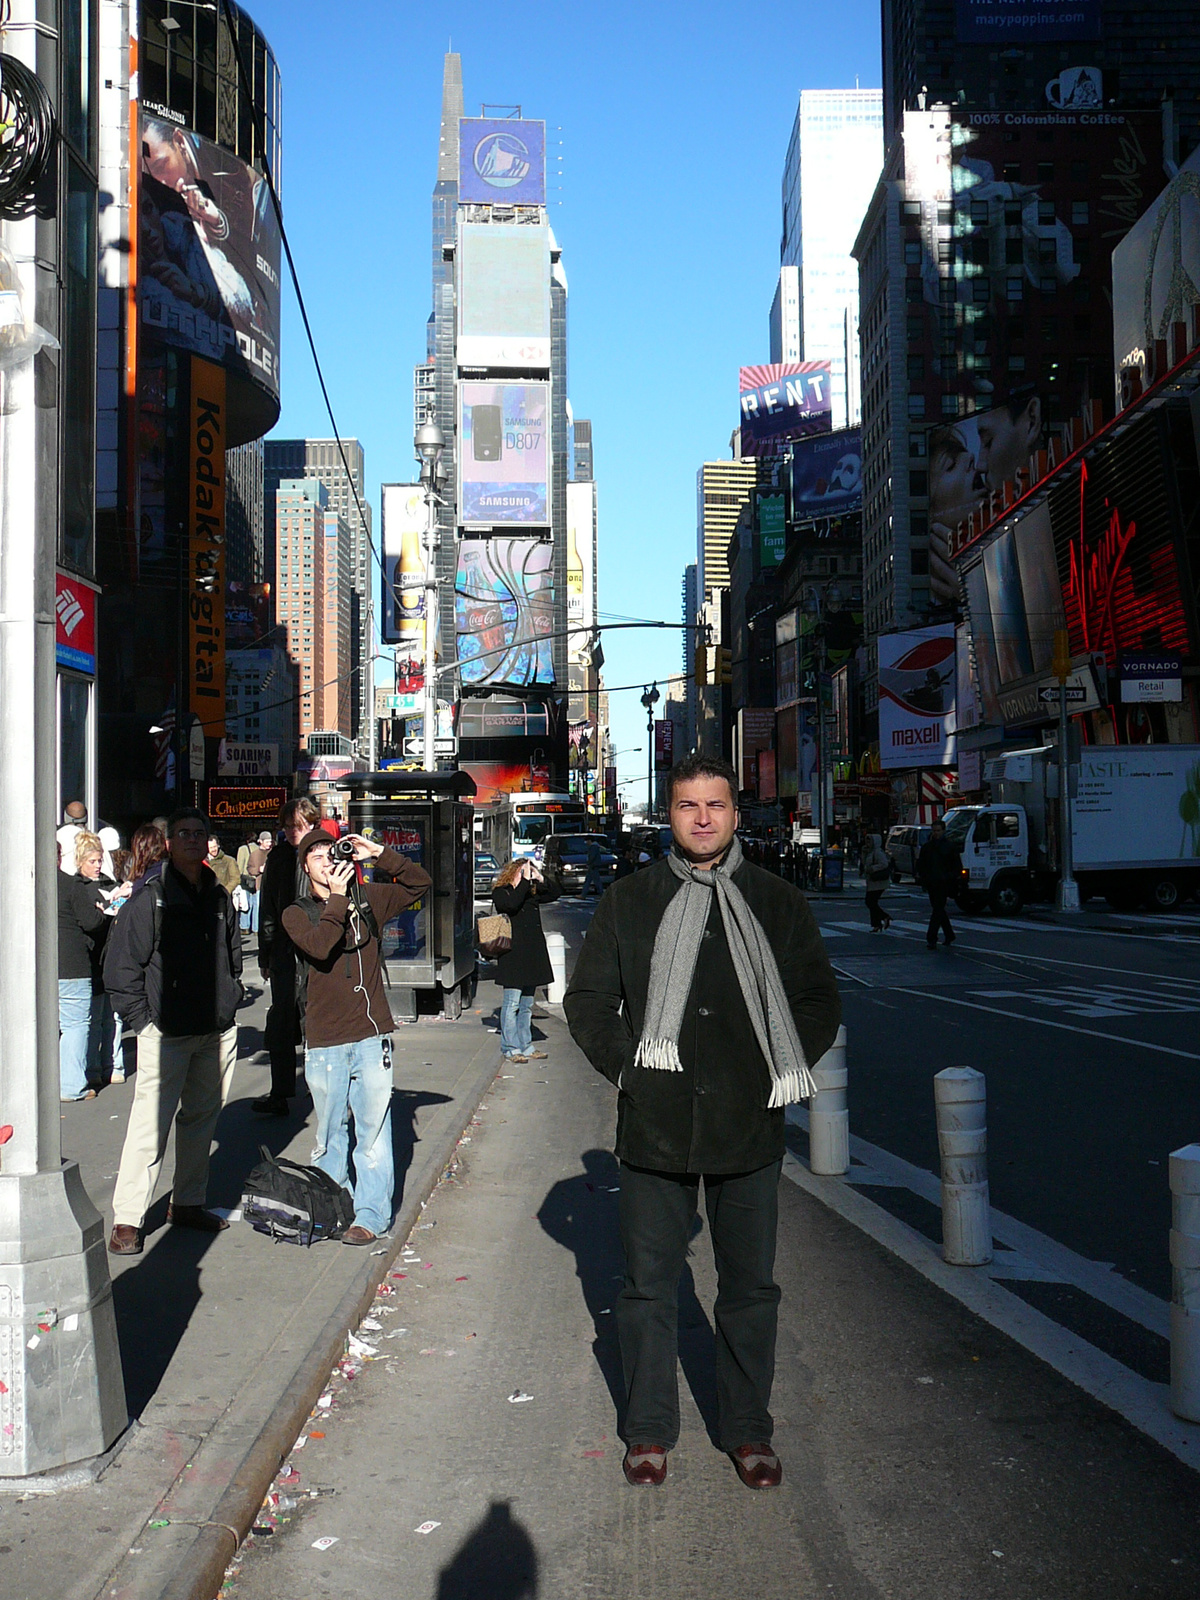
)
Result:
{"points": [[248, 760]]}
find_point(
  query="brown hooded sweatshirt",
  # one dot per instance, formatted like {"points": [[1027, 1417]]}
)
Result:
{"points": [[346, 1001]]}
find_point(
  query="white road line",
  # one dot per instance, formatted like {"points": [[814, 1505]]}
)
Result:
{"points": [[1048, 1022], [1092, 966]]}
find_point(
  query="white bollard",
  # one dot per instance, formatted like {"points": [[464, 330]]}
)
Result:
{"points": [[1185, 1282], [828, 1119], [960, 1098], [556, 946]]}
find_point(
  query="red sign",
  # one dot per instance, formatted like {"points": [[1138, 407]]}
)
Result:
{"points": [[75, 624], [664, 745], [245, 805]]}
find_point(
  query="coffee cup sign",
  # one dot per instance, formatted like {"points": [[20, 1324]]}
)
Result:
{"points": [[1076, 89]]}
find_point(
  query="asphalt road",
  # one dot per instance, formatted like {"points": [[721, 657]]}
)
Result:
{"points": [[926, 1456]]}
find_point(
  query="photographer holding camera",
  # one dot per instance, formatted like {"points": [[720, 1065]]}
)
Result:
{"points": [[347, 1022]]}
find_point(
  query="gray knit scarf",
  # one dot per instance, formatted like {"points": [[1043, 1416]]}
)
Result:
{"points": [[676, 948]]}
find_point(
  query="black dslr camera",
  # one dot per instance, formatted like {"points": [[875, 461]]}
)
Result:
{"points": [[342, 850]]}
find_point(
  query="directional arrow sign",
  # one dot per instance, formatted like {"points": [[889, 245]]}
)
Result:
{"points": [[1076, 693], [441, 747]]}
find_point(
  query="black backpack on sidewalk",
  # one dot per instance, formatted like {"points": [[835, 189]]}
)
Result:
{"points": [[298, 1204]]}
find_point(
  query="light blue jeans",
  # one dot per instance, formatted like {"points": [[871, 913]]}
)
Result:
{"points": [[355, 1080], [516, 1029], [248, 920], [105, 1051], [74, 1016]]}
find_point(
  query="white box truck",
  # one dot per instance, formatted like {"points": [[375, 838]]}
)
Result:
{"points": [[1135, 828]]}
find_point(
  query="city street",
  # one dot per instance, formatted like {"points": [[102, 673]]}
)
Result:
{"points": [[925, 1454]]}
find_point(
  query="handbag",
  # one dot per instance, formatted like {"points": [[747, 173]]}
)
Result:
{"points": [[294, 1204], [493, 935]]}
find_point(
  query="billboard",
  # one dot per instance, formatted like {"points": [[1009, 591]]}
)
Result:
{"points": [[75, 623], [504, 611], [1015, 22], [501, 161], [503, 454], [772, 528], [405, 518], [917, 698], [786, 400], [208, 252], [1156, 275], [826, 474], [581, 556], [503, 295], [664, 745]]}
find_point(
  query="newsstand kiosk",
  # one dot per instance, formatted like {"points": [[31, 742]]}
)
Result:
{"points": [[427, 817]]}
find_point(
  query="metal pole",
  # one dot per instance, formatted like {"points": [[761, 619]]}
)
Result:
{"points": [[62, 1398], [429, 762], [650, 806], [960, 1099], [368, 680], [828, 1118], [1185, 1282], [1068, 889]]}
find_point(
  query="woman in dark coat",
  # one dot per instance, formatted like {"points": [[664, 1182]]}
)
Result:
{"points": [[519, 892]]}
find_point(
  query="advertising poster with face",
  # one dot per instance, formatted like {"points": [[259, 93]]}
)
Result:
{"points": [[504, 611], [826, 475], [208, 252]]}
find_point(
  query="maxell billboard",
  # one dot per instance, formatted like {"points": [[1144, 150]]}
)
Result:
{"points": [[916, 698]]}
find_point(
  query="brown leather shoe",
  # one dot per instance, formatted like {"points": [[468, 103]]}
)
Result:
{"points": [[195, 1217], [645, 1465], [357, 1235], [125, 1241], [757, 1466]]}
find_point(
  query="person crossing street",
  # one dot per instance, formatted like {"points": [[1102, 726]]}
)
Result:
{"points": [[939, 871]]}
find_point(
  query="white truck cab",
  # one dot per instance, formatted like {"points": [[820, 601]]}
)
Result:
{"points": [[996, 856]]}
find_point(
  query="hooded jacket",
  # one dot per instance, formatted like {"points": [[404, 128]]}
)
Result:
{"points": [[346, 1001]]}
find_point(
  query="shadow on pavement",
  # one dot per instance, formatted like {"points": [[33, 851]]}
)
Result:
{"points": [[580, 1213], [406, 1103], [497, 1561]]}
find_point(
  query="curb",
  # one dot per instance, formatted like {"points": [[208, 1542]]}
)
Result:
{"points": [[200, 1568]]}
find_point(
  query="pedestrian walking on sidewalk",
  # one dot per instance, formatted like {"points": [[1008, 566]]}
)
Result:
{"points": [[334, 927], [877, 870], [277, 889], [520, 891], [939, 871], [173, 969], [704, 993]]}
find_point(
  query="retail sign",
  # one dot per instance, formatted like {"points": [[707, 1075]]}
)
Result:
{"points": [[248, 761], [1015, 21], [75, 624], [245, 804], [501, 161], [206, 547], [772, 530], [1151, 680]]}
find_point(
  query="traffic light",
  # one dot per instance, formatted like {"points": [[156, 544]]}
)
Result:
{"points": [[1061, 663], [724, 664], [700, 666]]}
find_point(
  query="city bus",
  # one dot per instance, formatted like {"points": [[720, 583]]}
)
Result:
{"points": [[517, 825]]}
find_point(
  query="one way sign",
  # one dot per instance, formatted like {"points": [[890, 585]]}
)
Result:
{"points": [[1075, 694]]}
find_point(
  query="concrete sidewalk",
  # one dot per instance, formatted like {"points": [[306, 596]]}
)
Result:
{"points": [[226, 1340]]}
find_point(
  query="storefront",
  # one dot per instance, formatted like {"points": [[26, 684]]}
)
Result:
{"points": [[75, 657]]}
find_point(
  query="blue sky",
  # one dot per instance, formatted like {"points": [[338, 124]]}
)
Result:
{"points": [[674, 122]]}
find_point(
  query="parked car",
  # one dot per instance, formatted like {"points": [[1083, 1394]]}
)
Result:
{"points": [[904, 846], [654, 840], [566, 857], [486, 868]]}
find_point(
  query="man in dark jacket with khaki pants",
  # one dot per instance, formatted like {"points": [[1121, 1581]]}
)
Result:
{"points": [[704, 993]]}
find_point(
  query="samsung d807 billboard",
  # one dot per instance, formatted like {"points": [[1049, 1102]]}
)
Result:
{"points": [[504, 454]]}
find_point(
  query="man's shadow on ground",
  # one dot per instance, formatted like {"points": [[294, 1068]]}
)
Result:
{"points": [[580, 1213], [496, 1561]]}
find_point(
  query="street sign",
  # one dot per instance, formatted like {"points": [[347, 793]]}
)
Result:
{"points": [[1076, 693], [441, 747]]}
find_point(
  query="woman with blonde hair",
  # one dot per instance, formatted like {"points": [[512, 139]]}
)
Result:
{"points": [[80, 919], [520, 890]]}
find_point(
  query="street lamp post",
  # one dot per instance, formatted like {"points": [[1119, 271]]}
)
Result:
{"points": [[650, 700], [430, 441]]}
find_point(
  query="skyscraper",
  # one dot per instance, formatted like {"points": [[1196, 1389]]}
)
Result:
{"points": [[321, 460], [300, 507], [722, 489], [833, 161]]}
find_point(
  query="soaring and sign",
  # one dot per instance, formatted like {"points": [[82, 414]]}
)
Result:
{"points": [[206, 547]]}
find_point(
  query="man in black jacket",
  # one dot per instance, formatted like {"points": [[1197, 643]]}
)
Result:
{"points": [[704, 993], [939, 871], [173, 970], [278, 887]]}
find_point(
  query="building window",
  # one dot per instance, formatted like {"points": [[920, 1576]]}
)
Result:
{"points": [[950, 405], [1079, 214], [1049, 285], [1014, 289], [916, 368], [916, 405], [912, 255], [910, 211]]}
